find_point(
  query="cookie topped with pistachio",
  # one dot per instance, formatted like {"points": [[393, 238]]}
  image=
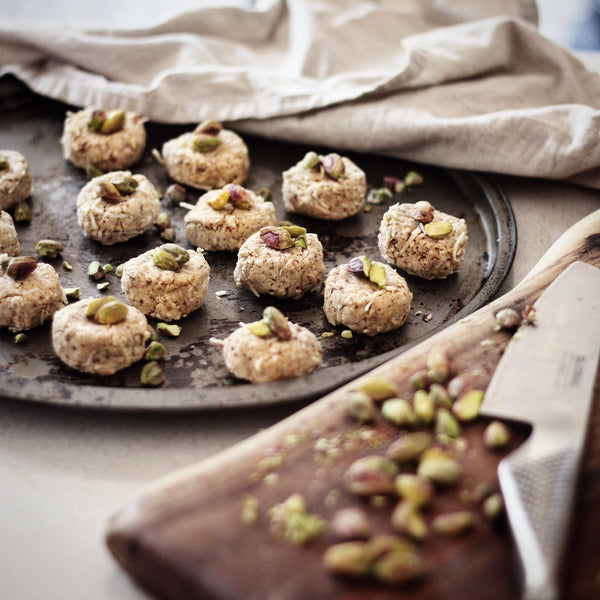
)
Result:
{"points": [[99, 335], [326, 186], [271, 348], [117, 207], [224, 218], [206, 158], [30, 292], [421, 240], [366, 296], [106, 139], [16, 180], [168, 282]]}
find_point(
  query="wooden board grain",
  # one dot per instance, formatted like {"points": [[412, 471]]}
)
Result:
{"points": [[185, 538]]}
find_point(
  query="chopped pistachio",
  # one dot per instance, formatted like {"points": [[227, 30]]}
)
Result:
{"points": [[440, 396], [204, 142], [372, 474], [347, 334], [114, 121], [446, 424], [333, 165], [73, 293], [20, 338], [22, 212], [407, 519], [259, 329], [155, 351], [168, 235], [413, 178], [91, 170], [311, 160], [496, 435], [109, 193], [95, 270], [176, 194], [409, 446], [163, 221], [48, 248], [276, 237], [438, 229], [125, 184], [119, 270], [378, 388], [361, 407], [103, 285], [493, 506], [466, 407], [168, 329], [67, 265], [394, 184], [238, 196], [379, 195], [398, 411], [423, 406], [218, 199], [152, 374], [249, 509]]}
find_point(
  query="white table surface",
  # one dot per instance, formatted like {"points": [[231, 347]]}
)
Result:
{"points": [[64, 472]]}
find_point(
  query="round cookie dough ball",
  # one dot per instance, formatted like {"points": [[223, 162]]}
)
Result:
{"points": [[100, 347], [366, 296], [9, 241], [328, 187], [208, 157], [167, 283], [277, 263], [30, 293], [422, 241], [117, 206], [223, 219], [108, 139], [15, 178], [271, 349]]}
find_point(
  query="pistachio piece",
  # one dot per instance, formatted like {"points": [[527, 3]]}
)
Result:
{"points": [[48, 248], [377, 274], [152, 374], [238, 196], [155, 351], [409, 447], [350, 524], [333, 165], [423, 406], [348, 558], [423, 212], [466, 407], [460, 384], [379, 195], [407, 519], [19, 267], [20, 338], [493, 506], [496, 435], [91, 170], [168, 329], [96, 120], [398, 411], [420, 380], [119, 270], [111, 312], [109, 193], [125, 184], [95, 304], [168, 235], [394, 184], [163, 221], [277, 322], [378, 388], [73, 293], [371, 475], [438, 229], [440, 466], [438, 364], [114, 121], [382, 544], [360, 265], [95, 270], [446, 424], [276, 237], [176, 194], [295, 231], [414, 488], [311, 160], [22, 213], [259, 329], [170, 257], [452, 524], [300, 242], [218, 199], [413, 178], [204, 142], [103, 285], [398, 568], [361, 407], [209, 127], [439, 395]]}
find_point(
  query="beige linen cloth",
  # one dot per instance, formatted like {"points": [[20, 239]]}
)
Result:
{"points": [[464, 84]]}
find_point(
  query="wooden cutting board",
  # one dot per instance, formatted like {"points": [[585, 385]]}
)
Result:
{"points": [[185, 538]]}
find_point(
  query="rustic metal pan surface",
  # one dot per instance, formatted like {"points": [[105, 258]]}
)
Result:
{"points": [[196, 377]]}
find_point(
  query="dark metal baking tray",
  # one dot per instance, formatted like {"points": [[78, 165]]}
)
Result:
{"points": [[196, 377]]}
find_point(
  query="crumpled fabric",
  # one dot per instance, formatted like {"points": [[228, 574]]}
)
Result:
{"points": [[460, 84]]}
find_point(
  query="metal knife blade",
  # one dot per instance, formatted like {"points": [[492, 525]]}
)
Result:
{"points": [[546, 378]]}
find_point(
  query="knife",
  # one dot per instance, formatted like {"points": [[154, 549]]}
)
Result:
{"points": [[546, 378]]}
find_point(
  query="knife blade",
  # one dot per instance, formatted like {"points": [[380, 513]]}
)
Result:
{"points": [[546, 378]]}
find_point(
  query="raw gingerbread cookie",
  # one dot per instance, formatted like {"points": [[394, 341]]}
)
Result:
{"points": [[9, 241], [223, 219], [30, 292], [167, 283], [326, 187], [366, 296], [422, 241], [99, 335], [15, 178], [208, 157], [117, 206], [284, 261], [271, 349], [107, 139]]}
